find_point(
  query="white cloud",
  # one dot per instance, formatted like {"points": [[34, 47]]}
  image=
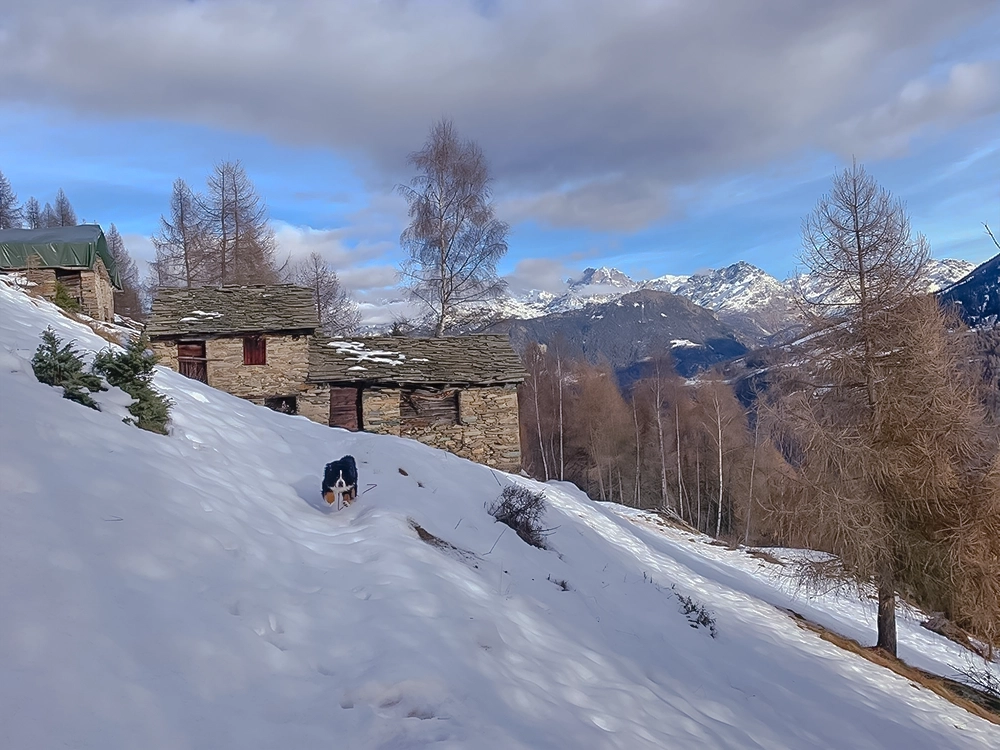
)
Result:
{"points": [[659, 94]]}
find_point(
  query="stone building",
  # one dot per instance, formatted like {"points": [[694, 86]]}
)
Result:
{"points": [[459, 393], [260, 343], [76, 258], [251, 341]]}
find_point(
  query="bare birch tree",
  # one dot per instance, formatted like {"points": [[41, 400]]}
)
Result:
{"points": [[338, 313], [454, 241]]}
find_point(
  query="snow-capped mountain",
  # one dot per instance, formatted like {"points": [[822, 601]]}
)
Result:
{"points": [[977, 295], [751, 300]]}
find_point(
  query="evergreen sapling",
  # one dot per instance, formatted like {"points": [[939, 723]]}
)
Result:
{"points": [[132, 371], [60, 366]]}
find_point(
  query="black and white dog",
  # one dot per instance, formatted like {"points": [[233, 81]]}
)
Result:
{"points": [[340, 481]]}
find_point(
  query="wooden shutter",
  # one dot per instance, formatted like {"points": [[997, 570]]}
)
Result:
{"points": [[345, 408], [191, 360], [424, 407], [254, 350]]}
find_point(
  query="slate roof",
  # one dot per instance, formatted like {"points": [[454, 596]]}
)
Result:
{"points": [[463, 360], [232, 310]]}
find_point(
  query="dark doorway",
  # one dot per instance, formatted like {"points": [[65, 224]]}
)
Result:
{"points": [[283, 404], [345, 407], [191, 360]]}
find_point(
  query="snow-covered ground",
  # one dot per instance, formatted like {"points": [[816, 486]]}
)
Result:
{"points": [[193, 591]]}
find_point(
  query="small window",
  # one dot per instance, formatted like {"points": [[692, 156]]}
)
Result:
{"points": [[419, 407], [254, 350], [283, 404]]}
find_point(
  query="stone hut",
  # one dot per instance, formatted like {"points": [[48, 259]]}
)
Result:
{"points": [[459, 394], [251, 341], [260, 343], [77, 258]]}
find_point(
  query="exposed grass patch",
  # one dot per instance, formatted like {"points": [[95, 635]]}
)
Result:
{"points": [[438, 543], [972, 700]]}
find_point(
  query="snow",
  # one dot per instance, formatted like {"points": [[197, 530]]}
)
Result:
{"points": [[364, 354], [674, 343], [194, 591]]}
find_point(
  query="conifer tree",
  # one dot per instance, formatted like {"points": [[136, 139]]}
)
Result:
{"points": [[60, 366], [132, 371]]}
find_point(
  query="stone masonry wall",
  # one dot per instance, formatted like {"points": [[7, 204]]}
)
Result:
{"points": [[314, 403], [166, 352], [487, 432], [380, 410], [97, 295], [283, 375]]}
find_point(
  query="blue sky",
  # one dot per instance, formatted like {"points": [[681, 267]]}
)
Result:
{"points": [[652, 136]]}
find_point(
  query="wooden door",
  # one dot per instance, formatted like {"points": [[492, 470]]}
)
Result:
{"points": [[345, 407], [191, 360]]}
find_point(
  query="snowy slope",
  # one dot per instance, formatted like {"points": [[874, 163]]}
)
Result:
{"points": [[192, 591]]}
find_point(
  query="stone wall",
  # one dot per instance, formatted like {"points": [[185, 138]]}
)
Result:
{"points": [[314, 403], [488, 430], [97, 295], [380, 410], [166, 353], [283, 375]]}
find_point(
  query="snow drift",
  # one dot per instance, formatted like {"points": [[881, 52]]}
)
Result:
{"points": [[194, 591]]}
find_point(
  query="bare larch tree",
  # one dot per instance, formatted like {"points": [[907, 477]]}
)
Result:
{"points": [[127, 300], [10, 212], [870, 414], [239, 232], [32, 213], [454, 241], [65, 216], [180, 243], [338, 313]]}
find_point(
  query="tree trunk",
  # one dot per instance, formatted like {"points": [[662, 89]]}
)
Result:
{"points": [[753, 465], [562, 461], [538, 422], [718, 425], [886, 613], [638, 454], [663, 455], [680, 483]]}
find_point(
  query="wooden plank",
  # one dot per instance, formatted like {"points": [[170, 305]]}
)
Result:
{"points": [[424, 407], [345, 408]]}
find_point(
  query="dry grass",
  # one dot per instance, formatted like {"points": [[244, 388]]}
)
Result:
{"points": [[447, 547], [765, 556], [974, 701]]}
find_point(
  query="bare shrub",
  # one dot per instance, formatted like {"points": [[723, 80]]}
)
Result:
{"points": [[521, 509]]}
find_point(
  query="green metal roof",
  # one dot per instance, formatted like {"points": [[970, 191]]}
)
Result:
{"points": [[57, 247]]}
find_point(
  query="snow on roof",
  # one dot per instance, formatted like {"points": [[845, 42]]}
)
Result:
{"points": [[232, 310], [480, 360]]}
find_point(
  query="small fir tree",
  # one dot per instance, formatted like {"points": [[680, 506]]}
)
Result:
{"points": [[132, 371], [64, 299], [60, 366]]}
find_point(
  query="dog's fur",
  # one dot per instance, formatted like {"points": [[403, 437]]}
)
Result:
{"points": [[341, 478]]}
